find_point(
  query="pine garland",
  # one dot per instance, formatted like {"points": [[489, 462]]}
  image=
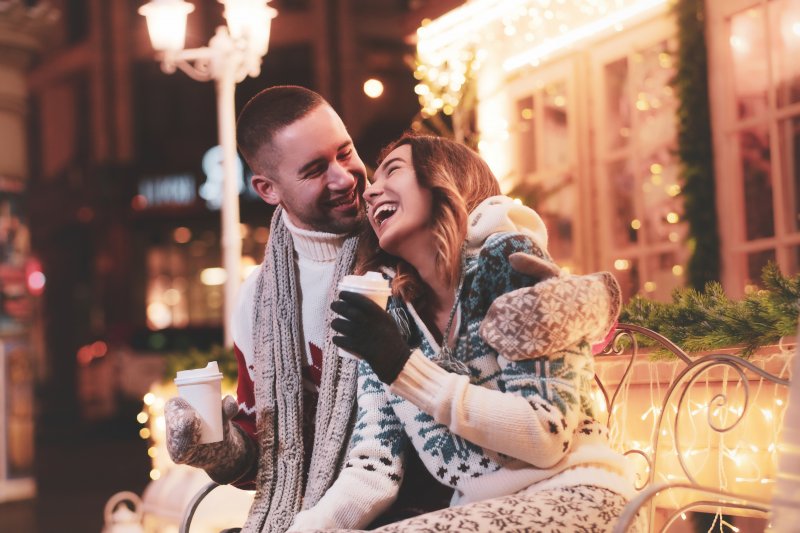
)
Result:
{"points": [[708, 319], [695, 145]]}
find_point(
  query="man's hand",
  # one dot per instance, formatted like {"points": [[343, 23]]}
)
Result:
{"points": [[223, 460], [369, 332]]}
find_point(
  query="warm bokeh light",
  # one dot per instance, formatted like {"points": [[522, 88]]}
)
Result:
{"points": [[373, 88], [622, 264], [171, 297], [213, 276], [158, 315], [182, 235]]}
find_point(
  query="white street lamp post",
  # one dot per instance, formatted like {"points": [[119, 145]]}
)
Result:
{"points": [[233, 53]]}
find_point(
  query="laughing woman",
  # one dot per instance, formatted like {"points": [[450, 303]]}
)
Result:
{"points": [[516, 440]]}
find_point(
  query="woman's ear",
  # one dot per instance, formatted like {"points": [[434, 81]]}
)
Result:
{"points": [[266, 188]]}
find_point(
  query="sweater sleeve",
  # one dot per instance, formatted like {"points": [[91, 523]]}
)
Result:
{"points": [[371, 477], [526, 424]]}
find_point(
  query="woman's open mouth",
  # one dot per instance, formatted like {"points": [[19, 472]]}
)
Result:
{"points": [[383, 213]]}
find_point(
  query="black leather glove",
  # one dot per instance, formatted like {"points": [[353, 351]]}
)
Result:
{"points": [[371, 333]]}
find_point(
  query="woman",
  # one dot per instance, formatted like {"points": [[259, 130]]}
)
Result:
{"points": [[511, 435]]}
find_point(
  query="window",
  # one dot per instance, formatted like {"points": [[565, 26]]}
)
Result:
{"points": [[755, 80], [594, 137], [641, 232], [543, 128]]}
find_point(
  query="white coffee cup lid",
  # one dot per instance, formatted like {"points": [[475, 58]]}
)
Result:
{"points": [[210, 372], [371, 281]]}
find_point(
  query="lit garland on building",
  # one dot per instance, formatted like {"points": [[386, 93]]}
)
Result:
{"points": [[526, 32]]}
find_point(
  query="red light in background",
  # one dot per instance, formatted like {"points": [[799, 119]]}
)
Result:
{"points": [[89, 352], [139, 202], [34, 277]]}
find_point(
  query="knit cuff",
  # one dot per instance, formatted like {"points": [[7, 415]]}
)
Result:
{"points": [[236, 460], [420, 381]]}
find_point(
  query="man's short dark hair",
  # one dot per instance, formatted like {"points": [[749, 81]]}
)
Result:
{"points": [[266, 114]]}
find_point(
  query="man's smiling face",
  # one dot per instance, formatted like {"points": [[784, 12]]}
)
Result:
{"points": [[317, 175]]}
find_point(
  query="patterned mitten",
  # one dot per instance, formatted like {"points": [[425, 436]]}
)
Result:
{"points": [[224, 461], [552, 315]]}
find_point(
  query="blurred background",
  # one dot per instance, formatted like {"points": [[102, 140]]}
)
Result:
{"points": [[110, 170]]}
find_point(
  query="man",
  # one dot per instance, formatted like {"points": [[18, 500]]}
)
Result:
{"points": [[289, 430]]}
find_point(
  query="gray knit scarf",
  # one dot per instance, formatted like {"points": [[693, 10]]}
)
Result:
{"points": [[278, 391]]}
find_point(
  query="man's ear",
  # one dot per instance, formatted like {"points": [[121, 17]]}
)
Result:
{"points": [[266, 189]]}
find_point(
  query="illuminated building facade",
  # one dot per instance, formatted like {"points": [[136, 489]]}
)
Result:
{"points": [[573, 105]]}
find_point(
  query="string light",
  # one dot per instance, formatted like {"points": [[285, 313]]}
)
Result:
{"points": [[452, 47]]}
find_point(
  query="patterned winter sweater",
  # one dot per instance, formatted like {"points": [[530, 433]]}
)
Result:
{"points": [[505, 427]]}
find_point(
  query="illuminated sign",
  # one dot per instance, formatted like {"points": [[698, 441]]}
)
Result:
{"points": [[211, 190], [175, 189]]}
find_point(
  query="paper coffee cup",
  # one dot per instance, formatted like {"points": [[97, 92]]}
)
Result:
{"points": [[202, 388], [372, 285]]}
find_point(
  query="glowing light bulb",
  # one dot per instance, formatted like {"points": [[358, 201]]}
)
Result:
{"points": [[373, 88]]}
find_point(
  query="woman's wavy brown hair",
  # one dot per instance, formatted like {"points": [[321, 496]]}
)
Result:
{"points": [[459, 180]]}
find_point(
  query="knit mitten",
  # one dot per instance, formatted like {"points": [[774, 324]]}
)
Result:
{"points": [[224, 461], [552, 315]]}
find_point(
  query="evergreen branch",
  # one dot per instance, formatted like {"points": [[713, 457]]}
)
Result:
{"points": [[695, 145], [708, 320]]}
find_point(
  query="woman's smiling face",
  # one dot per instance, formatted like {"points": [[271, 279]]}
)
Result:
{"points": [[398, 208]]}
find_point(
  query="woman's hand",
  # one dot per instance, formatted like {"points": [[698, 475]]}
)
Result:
{"points": [[369, 332]]}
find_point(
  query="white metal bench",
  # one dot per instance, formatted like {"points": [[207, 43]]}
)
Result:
{"points": [[725, 383]]}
